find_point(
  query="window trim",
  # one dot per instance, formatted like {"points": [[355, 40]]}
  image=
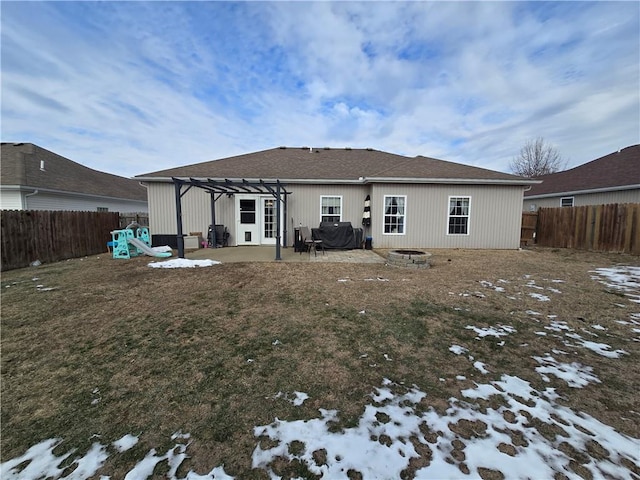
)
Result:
{"points": [[567, 198], [341, 206], [404, 216], [467, 216]]}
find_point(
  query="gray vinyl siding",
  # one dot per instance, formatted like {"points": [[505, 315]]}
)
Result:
{"points": [[495, 215], [196, 210], [10, 200], [53, 201], [43, 200], [601, 198], [494, 222], [304, 203], [303, 208]]}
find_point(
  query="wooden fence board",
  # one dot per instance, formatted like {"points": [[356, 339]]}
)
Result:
{"points": [[50, 236], [607, 228]]}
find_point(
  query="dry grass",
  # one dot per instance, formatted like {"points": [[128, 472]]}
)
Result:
{"points": [[117, 347]]}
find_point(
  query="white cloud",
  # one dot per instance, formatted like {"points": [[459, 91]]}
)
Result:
{"points": [[130, 88]]}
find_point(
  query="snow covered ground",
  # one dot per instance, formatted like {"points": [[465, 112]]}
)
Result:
{"points": [[494, 425]]}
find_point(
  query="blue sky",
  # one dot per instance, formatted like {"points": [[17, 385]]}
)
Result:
{"points": [[135, 87]]}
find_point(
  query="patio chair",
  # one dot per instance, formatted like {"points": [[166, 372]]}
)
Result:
{"points": [[309, 242]]}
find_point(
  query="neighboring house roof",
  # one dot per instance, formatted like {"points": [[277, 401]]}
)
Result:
{"points": [[617, 171], [304, 164], [20, 166]]}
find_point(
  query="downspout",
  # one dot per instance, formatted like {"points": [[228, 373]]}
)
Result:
{"points": [[26, 203]]}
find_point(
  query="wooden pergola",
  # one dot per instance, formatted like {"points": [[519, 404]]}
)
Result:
{"points": [[217, 188]]}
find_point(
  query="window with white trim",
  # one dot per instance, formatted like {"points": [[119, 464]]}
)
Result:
{"points": [[102, 209], [330, 208], [395, 214], [566, 202], [458, 215]]}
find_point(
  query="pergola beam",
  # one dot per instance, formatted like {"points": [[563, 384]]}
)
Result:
{"points": [[231, 187]]}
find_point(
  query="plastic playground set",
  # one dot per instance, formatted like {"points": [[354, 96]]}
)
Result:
{"points": [[133, 241]]}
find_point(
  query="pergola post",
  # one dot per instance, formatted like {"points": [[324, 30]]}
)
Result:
{"points": [[278, 236], [284, 241], [213, 220], [179, 238]]}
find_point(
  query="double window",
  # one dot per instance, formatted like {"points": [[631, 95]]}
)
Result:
{"points": [[395, 214], [330, 208], [458, 216]]}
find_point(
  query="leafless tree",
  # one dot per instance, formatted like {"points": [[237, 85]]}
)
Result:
{"points": [[537, 158]]}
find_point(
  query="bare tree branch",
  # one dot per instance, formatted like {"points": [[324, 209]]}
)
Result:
{"points": [[537, 158]]}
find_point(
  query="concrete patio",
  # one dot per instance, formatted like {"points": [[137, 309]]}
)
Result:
{"points": [[268, 254]]}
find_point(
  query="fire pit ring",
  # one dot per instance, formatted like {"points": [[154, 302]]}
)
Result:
{"points": [[409, 258]]}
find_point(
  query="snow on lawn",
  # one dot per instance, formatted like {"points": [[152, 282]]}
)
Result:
{"points": [[481, 367], [539, 297], [599, 348], [39, 462], [575, 374], [297, 399], [458, 350], [183, 263], [623, 278], [497, 331], [395, 428], [392, 431]]}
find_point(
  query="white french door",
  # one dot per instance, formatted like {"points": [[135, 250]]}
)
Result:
{"points": [[269, 226], [256, 220]]}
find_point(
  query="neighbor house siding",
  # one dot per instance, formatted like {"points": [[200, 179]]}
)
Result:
{"points": [[602, 198], [494, 221], [11, 200], [37, 199], [77, 202]]}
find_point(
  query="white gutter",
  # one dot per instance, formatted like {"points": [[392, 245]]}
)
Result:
{"points": [[583, 192], [471, 181], [360, 181]]}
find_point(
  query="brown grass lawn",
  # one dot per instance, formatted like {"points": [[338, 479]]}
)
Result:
{"points": [[117, 347]]}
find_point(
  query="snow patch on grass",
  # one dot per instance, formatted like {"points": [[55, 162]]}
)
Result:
{"points": [[599, 348], [458, 350], [373, 446], [575, 374], [183, 263], [497, 331]]}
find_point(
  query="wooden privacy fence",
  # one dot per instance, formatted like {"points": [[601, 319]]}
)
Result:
{"points": [[49, 236], [141, 219], [607, 228], [528, 228]]}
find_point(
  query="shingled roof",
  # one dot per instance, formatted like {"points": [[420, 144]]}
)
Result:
{"points": [[333, 165], [20, 165], [614, 171]]}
